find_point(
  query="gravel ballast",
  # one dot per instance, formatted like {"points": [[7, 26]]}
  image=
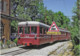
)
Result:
{"points": [[44, 51]]}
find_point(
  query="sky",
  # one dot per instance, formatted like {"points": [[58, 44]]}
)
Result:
{"points": [[64, 6]]}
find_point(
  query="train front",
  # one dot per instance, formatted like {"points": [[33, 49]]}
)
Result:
{"points": [[28, 33]]}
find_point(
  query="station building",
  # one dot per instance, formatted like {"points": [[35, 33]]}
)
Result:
{"points": [[5, 19]]}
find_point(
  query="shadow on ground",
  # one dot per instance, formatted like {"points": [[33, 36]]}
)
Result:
{"points": [[41, 46]]}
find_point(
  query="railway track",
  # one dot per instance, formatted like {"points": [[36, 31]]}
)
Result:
{"points": [[37, 51], [16, 52]]}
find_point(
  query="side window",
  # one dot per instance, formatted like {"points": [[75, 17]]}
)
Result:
{"points": [[45, 30], [33, 30], [27, 30], [2, 29], [20, 29], [63, 33], [66, 33], [40, 30], [0, 5], [5, 6]]}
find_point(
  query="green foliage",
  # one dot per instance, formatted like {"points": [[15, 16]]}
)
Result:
{"points": [[1, 43], [14, 26], [8, 42], [61, 20], [75, 32], [15, 40], [75, 28], [49, 16], [77, 48], [35, 10], [21, 12], [24, 9]]}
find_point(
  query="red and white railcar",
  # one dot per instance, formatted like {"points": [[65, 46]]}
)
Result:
{"points": [[37, 33]]}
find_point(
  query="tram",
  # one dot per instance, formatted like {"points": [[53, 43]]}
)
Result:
{"points": [[37, 33]]}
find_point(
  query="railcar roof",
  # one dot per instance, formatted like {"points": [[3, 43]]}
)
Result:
{"points": [[32, 23], [63, 30], [24, 23]]}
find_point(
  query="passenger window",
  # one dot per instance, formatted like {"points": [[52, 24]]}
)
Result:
{"points": [[40, 30], [63, 33], [45, 30], [33, 30], [27, 30], [20, 29]]}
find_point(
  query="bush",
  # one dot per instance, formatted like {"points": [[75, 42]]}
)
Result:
{"points": [[15, 40], [77, 50], [1, 43], [8, 42]]}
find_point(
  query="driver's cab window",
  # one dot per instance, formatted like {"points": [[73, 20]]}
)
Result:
{"points": [[27, 30], [21, 30], [45, 30]]}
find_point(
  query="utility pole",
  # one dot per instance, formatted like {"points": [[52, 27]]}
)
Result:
{"points": [[78, 13]]}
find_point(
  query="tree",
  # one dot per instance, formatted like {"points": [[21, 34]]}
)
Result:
{"points": [[75, 30], [61, 20], [24, 9], [35, 10]]}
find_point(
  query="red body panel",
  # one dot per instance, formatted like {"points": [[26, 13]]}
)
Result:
{"points": [[41, 40], [30, 41]]}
